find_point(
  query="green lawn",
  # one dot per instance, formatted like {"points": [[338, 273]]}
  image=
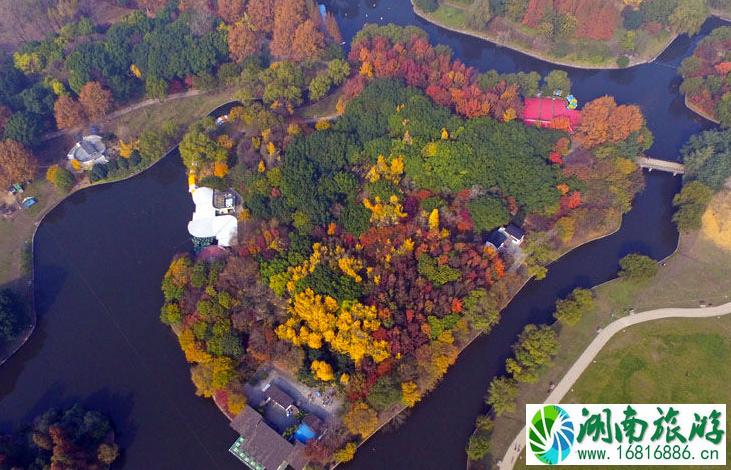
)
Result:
{"points": [[674, 360], [449, 15]]}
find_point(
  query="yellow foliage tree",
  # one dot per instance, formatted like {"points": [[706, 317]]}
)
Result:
{"points": [[220, 169], [135, 71], [51, 173], [225, 141], [293, 129], [566, 227], [75, 165], [346, 453], [391, 171], [322, 370], [261, 168], [509, 115], [383, 214], [126, 149], [236, 402], [347, 330], [409, 393], [434, 220], [271, 148], [366, 69], [322, 125], [361, 419], [445, 134]]}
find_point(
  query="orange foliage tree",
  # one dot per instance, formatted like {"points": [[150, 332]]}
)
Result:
{"points": [[231, 10], [68, 112], [603, 121], [332, 28], [17, 163], [261, 14], [288, 15], [242, 42], [95, 99], [308, 42]]}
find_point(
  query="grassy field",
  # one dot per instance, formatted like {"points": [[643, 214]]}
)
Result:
{"points": [[698, 270], [182, 111], [676, 360], [449, 15]]}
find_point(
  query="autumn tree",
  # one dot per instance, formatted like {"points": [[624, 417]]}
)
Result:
{"points": [[603, 121], [288, 16], [17, 163], [261, 15], [61, 177], [361, 419], [231, 10], [308, 42], [95, 99], [332, 29], [242, 42], [68, 112]]}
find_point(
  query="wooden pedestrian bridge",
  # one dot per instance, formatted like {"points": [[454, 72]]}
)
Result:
{"points": [[661, 165]]}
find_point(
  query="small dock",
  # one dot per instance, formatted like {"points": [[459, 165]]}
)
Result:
{"points": [[661, 165]]}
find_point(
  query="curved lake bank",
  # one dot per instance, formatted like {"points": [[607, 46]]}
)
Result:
{"points": [[101, 254]]}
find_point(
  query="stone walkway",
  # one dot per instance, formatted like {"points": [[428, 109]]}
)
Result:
{"points": [[593, 349]]}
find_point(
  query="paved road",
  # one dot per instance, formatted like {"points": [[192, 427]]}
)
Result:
{"points": [[593, 349]]}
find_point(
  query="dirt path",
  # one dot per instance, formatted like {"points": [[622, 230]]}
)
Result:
{"points": [[586, 358]]}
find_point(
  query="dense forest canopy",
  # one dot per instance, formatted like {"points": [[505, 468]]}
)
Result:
{"points": [[71, 439]]}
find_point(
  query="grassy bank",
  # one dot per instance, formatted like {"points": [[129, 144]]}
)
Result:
{"points": [[698, 270]]}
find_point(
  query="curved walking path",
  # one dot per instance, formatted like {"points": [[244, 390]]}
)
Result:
{"points": [[593, 349]]}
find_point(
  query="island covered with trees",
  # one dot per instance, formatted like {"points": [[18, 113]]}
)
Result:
{"points": [[362, 265], [707, 77], [70, 439], [593, 33]]}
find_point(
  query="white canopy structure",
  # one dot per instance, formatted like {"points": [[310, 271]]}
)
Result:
{"points": [[207, 223], [88, 151]]}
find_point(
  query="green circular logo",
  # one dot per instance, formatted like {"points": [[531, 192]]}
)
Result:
{"points": [[551, 434]]}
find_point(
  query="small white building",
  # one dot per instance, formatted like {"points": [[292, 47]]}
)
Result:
{"points": [[209, 221], [88, 151]]}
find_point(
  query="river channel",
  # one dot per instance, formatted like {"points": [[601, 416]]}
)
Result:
{"points": [[101, 254]]}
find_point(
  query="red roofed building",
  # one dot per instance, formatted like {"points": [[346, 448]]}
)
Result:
{"points": [[544, 110]]}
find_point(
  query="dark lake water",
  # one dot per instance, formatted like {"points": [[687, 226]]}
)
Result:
{"points": [[101, 254]]}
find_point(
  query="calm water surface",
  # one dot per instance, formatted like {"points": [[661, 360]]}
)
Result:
{"points": [[100, 256]]}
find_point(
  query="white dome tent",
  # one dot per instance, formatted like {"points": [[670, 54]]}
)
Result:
{"points": [[207, 222]]}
